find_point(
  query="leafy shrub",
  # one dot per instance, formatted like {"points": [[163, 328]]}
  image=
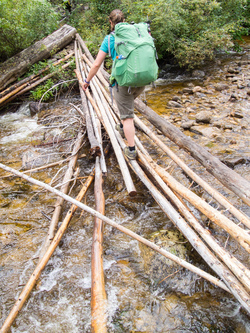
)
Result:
{"points": [[24, 22]]}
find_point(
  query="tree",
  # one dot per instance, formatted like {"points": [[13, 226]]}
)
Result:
{"points": [[24, 22]]}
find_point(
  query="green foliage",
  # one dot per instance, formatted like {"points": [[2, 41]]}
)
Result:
{"points": [[44, 90], [24, 22]]}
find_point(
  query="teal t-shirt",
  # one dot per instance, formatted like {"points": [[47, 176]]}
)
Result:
{"points": [[105, 48]]}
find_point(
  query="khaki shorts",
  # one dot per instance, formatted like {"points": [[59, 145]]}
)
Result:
{"points": [[125, 97]]}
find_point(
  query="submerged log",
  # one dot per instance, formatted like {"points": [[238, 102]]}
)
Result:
{"points": [[225, 175], [16, 66]]}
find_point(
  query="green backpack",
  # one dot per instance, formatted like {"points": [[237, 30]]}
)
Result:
{"points": [[135, 65]]}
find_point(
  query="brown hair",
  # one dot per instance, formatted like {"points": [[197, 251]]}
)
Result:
{"points": [[116, 16]]}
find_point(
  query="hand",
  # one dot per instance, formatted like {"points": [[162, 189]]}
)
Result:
{"points": [[85, 86]]}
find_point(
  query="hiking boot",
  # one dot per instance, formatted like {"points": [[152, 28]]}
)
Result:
{"points": [[120, 130], [131, 155]]}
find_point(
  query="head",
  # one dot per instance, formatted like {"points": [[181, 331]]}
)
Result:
{"points": [[116, 16]]}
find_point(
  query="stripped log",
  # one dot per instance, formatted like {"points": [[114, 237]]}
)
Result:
{"points": [[128, 232], [209, 189], [225, 175], [222, 221], [207, 255], [98, 294], [239, 270], [94, 144], [123, 166], [31, 78], [89, 55], [43, 262], [64, 188], [16, 66]]}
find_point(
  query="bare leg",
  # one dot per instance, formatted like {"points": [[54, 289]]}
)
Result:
{"points": [[129, 131]]}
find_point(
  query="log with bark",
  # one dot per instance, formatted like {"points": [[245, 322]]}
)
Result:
{"points": [[16, 66]]}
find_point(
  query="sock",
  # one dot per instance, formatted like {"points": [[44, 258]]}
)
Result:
{"points": [[131, 148]]}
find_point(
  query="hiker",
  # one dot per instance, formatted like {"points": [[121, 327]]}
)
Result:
{"points": [[124, 97]]}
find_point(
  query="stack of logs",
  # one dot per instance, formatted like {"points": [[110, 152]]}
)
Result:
{"points": [[98, 110]]}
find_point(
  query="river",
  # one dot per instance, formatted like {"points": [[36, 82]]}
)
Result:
{"points": [[145, 293]]}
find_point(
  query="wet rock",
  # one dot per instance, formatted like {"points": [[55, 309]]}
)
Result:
{"points": [[157, 266], [197, 89], [232, 161], [209, 132], [36, 107], [177, 99], [173, 104], [204, 117], [198, 73], [187, 91], [233, 98], [199, 95], [233, 70], [235, 79], [236, 114], [187, 124], [221, 87]]}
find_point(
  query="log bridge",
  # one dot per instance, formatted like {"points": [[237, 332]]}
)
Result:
{"points": [[99, 111]]}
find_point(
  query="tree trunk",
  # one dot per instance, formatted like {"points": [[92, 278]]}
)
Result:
{"points": [[16, 66]]}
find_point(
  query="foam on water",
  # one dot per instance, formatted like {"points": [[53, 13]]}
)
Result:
{"points": [[18, 126]]}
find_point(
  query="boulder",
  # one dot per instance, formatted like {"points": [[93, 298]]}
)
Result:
{"points": [[197, 89], [173, 104], [204, 117], [221, 86]]}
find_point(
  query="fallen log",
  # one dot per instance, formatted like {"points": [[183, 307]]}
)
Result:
{"points": [[94, 144], [39, 268], [128, 232], [103, 118], [239, 270], [16, 66], [209, 189], [98, 294], [64, 189], [89, 55], [29, 80], [225, 175], [243, 301]]}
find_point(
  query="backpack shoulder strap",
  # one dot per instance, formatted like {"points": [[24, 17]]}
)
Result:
{"points": [[112, 33]]}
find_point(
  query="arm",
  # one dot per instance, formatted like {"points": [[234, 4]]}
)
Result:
{"points": [[95, 67]]}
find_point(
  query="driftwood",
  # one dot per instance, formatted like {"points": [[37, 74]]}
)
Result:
{"points": [[64, 188], [225, 175], [38, 270], [98, 294], [16, 66]]}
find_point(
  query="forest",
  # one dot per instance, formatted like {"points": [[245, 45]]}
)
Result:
{"points": [[188, 32]]}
